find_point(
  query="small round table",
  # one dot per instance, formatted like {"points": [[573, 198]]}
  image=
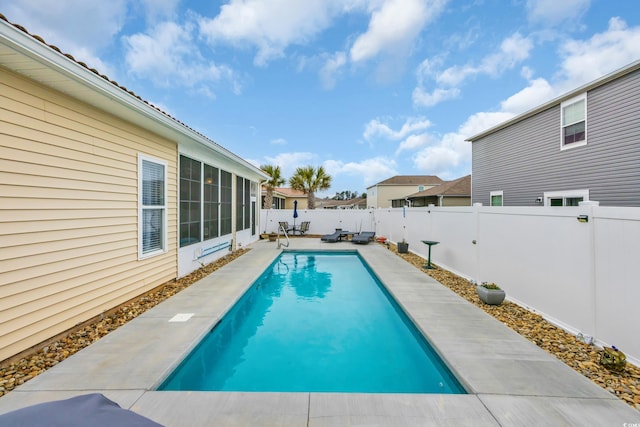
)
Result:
{"points": [[429, 243]]}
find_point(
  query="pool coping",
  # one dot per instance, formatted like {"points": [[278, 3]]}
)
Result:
{"points": [[509, 380]]}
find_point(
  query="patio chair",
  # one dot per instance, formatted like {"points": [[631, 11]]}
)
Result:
{"points": [[304, 227], [363, 237], [331, 238], [284, 225]]}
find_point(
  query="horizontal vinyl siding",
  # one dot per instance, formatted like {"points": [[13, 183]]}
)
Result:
{"points": [[524, 160], [69, 213]]}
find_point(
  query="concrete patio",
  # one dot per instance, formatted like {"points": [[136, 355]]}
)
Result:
{"points": [[509, 380]]}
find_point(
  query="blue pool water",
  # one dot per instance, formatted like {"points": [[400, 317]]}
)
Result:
{"points": [[315, 322]]}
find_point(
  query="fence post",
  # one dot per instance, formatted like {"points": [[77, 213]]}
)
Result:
{"points": [[476, 242], [585, 215]]}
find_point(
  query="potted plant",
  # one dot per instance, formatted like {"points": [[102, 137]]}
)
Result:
{"points": [[490, 293], [272, 236], [403, 247]]}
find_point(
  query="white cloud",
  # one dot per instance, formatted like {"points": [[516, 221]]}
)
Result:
{"points": [[449, 157], [538, 92], [582, 61], [553, 12], [156, 10], [279, 141], [372, 170], [413, 142], [426, 99], [288, 162], [269, 26], [394, 26], [376, 127], [82, 28], [331, 68], [603, 53], [513, 50], [168, 56]]}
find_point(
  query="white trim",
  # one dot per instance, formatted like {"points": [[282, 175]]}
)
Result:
{"points": [[563, 105], [165, 222], [496, 193], [584, 193]]}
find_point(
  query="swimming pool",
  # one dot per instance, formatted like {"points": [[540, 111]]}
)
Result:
{"points": [[315, 321]]}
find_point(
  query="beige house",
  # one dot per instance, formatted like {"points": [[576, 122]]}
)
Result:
{"points": [[383, 194], [97, 194], [284, 197], [449, 193]]}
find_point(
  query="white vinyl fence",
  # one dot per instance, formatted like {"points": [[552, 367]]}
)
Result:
{"points": [[581, 274]]}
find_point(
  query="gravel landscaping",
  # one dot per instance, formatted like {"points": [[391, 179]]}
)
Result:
{"points": [[581, 357]]}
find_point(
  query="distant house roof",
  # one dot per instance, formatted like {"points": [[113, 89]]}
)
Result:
{"points": [[584, 88], [410, 180], [460, 187], [289, 192], [29, 55], [358, 202]]}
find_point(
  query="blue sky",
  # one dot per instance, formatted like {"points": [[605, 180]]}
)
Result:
{"points": [[367, 89]]}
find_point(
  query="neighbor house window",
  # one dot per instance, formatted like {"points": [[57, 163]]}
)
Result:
{"points": [[496, 198], [565, 198], [190, 197], [152, 206], [574, 122]]}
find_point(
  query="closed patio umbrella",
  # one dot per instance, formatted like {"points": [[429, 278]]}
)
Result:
{"points": [[295, 215]]}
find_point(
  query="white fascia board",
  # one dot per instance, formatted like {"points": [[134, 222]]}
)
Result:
{"points": [[118, 101]]}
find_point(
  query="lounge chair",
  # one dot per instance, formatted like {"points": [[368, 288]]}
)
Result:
{"points": [[331, 238], [363, 237]]}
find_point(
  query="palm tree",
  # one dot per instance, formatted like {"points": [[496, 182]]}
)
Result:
{"points": [[276, 181], [309, 180]]}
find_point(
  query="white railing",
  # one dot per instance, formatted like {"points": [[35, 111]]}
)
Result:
{"points": [[581, 274], [284, 232]]}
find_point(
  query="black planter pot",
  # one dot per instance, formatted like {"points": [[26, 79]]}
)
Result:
{"points": [[403, 247]]}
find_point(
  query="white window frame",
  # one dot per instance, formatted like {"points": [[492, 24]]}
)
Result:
{"points": [[496, 193], [564, 194], [563, 105], [141, 208]]}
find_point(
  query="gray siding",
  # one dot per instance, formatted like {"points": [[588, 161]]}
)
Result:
{"points": [[524, 160]]}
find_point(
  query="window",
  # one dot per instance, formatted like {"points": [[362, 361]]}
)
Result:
{"points": [[243, 203], [190, 196], [152, 206], [205, 202], [565, 198], [496, 198], [574, 122], [211, 202], [226, 193]]}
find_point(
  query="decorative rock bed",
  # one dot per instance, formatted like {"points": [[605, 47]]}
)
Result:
{"points": [[581, 357]]}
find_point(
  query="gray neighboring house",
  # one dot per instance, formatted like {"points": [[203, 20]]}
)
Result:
{"points": [[584, 145]]}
